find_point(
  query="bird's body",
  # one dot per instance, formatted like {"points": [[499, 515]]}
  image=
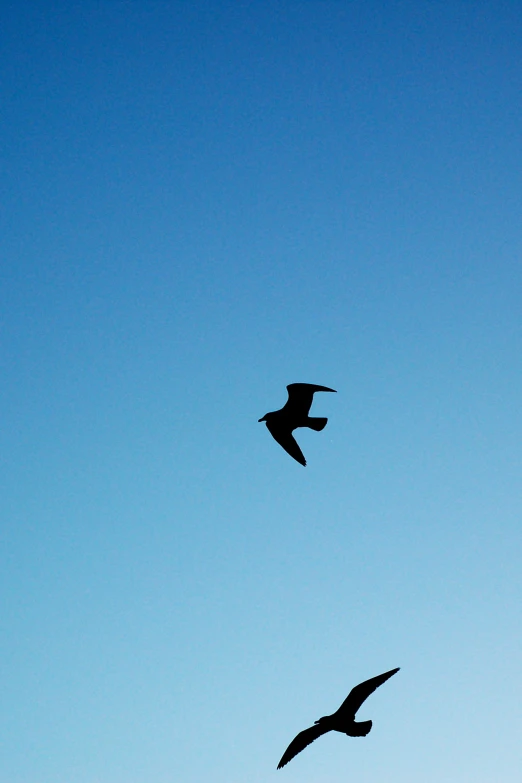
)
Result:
{"points": [[343, 720], [294, 414]]}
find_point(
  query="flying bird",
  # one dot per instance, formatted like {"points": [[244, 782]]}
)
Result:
{"points": [[294, 414], [343, 720]]}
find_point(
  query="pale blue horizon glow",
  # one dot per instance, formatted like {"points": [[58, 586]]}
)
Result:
{"points": [[204, 203]]}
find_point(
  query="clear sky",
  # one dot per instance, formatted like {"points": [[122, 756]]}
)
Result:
{"points": [[203, 202]]}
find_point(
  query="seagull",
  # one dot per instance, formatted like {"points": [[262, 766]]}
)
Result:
{"points": [[294, 414], [343, 720]]}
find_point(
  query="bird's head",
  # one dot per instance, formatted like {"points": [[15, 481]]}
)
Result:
{"points": [[321, 720], [264, 418]]}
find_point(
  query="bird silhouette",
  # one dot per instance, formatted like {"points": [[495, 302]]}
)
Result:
{"points": [[294, 414], [343, 720]]}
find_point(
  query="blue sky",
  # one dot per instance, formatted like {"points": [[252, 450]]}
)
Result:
{"points": [[204, 202]]}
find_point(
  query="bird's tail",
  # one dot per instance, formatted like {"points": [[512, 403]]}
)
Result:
{"points": [[316, 423], [360, 728]]}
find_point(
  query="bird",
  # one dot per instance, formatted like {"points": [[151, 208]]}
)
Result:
{"points": [[293, 414], [343, 720]]}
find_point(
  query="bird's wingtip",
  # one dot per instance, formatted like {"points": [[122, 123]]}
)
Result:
{"points": [[392, 672]]}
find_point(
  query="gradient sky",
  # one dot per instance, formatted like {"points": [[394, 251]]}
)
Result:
{"points": [[203, 202]]}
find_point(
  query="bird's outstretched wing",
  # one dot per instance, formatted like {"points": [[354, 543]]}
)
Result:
{"points": [[300, 742], [360, 693], [287, 441], [301, 395]]}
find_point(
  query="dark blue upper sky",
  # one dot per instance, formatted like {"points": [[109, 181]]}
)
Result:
{"points": [[203, 202]]}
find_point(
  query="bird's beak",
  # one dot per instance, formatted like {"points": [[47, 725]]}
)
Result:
{"points": [[261, 419]]}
